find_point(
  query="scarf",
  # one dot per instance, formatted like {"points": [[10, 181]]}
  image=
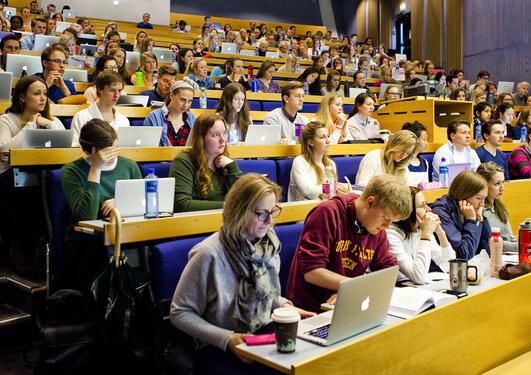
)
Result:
{"points": [[258, 285]]}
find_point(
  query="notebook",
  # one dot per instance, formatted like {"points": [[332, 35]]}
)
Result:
{"points": [[258, 135], [75, 75], [133, 100], [139, 136], [44, 41], [410, 301], [130, 196], [47, 138], [362, 303], [231, 48], [163, 55], [15, 63]]}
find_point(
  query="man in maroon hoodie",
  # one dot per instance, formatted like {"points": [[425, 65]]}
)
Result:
{"points": [[344, 236]]}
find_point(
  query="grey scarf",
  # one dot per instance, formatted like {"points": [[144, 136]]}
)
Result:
{"points": [[259, 285]]}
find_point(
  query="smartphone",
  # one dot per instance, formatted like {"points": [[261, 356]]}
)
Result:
{"points": [[260, 339], [457, 294]]}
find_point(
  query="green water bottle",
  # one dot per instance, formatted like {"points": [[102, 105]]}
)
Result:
{"points": [[138, 78]]}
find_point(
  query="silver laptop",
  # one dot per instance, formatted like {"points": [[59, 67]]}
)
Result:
{"points": [[362, 303], [505, 86], [231, 48], [133, 100], [132, 60], [87, 49], [9, 12], [275, 54], [248, 52], [44, 41], [163, 55], [61, 26], [123, 36], [130, 196], [47, 138], [15, 63], [258, 135], [6, 83], [139, 136], [79, 61], [75, 75], [69, 14], [455, 169], [353, 92]]}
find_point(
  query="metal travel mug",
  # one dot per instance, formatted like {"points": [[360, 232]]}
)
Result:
{"points": [[459, 275]]}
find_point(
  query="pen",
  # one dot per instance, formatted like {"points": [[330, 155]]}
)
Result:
{"points": [[349, 183]]}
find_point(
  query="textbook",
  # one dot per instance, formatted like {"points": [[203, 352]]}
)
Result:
{"points": [[408, 302]]}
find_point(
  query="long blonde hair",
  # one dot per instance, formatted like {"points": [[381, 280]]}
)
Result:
{"points": [[401, 141], [288, 67], [307, 151], [323, 112]]}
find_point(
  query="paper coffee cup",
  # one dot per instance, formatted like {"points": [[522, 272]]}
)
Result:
{"points": [[285, 321]]}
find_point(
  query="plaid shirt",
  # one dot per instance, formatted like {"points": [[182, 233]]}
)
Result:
{"points": [[180, 137]]}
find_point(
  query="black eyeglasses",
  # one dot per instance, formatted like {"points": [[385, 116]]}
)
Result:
{"points": [[58, 61], [264, 215]]}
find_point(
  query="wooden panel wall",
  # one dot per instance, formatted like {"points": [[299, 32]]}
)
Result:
{"points": [[417, 30], [435, 18], [386, 22], [454, 34], [373, 25], [361, 20]]}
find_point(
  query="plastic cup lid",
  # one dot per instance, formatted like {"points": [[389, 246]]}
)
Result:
{"points": [[285, 315]]}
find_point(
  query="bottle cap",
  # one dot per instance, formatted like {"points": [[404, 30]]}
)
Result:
{"points": [[495, 230], [328, 167], [443, 159], [151, 170]]}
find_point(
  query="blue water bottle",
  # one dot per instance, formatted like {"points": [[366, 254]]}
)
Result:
{"points": [[254, 85], [444, 173], [490, 100], [306, 88], [152, 195], [477, 132], [523, 134]]}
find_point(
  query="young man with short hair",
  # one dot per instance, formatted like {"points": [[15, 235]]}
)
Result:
{"points": [[520, 96], [492, 132], [343, 237], [145, 22], [113, 36], [287, 116], [34, 7], [51, 9], [38, 27], [10, 44], [53, 61], [452, 82], [166, 78], [457, 150]]}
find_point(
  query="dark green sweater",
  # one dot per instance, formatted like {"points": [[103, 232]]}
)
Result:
{"points": [[187, 196], [85, 197]]}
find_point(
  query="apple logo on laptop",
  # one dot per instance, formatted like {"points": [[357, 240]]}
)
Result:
{"points": [[48, 143], [365, 303], [262, 138], [138, 142]]}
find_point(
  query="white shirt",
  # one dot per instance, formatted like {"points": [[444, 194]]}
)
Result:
{"points": [[303, 183], [370, 166], [452, 156]]}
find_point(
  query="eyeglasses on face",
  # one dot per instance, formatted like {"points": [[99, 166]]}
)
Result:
{"points": [[58, 61], [264, 215]]}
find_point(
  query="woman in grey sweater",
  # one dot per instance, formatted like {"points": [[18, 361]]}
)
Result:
{"points": [[230, 285]]}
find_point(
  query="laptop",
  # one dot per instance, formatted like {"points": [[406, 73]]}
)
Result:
{"points": [[133, 100], [90, 50], [123, 36], [132, 60], [15, 63], [79, 61], [354, 91], [127, 47], [6, 83], [9, 12], [5, 33], [61, 26], [139, 136], [258, 135], [362, 303], [44, 41], [231, 48], [47, 138], [455, 169], [505, 86], [130, 196], [274, 55], [248, 52], [75, 75], [163, 55], [87, 39], [69, 14]]}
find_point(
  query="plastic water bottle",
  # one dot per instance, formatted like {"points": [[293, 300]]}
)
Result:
{"points": [[254, 85], [329, 183], [152, 195], [496, 249], [523, 134], [155, 77], [24, 72], [203, 99], [365, 72], [490, 100], [174, 56], [444, 177], [306, 88], [477, 132], [250, 73], [256, 51]]}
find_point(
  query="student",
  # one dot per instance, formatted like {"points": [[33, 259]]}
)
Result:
{"points": [[413, 243], [310, 80], [343, 237], [175, 116], [139, 38], [291, 65], [360, 123], [461, 214], [109, 85], [88, 185], [457, 149], [478, 95], [520, 160], [360, 81], [418, 170], [105, 63], [458, 94], [30, 109], [506, 115], [148, 65], [53, 61], [393, 158], [264, 78], [495, 212], [199, 73], [452, 83], [520, 97], [492, 132], [120, 56], [482, 114], [10, 44], [505, 97], [292, 94], [86, 27], [428, 69], [330, 112], [26, 19], [213, 44], [181, 27], [165, 79], [145, 22], [204, 175], [308, 169], [234, 108], [38, 27], [524, 118], [333, 84], [146, 45], [246, 244], [184, 58], [318, 62], [235, 73], [198, 46], [391, 93], [34, 5]]}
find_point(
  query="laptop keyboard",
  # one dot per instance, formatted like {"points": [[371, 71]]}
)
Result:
{"points": [[320, 332]]}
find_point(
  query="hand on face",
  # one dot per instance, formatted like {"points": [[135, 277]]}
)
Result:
{"points": [[467, 210], [428, 224], [103, 156]]}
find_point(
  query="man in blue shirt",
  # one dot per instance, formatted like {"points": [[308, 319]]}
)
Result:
{"points": [[166, 78], [145, 22], [53, 62], [38, 27], [492, 132]]}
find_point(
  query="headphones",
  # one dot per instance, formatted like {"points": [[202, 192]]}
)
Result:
{"points": [[355, 225]]}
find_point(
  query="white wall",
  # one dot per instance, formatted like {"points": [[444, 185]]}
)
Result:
{"points": [[127, 10]]}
